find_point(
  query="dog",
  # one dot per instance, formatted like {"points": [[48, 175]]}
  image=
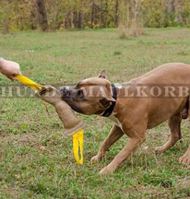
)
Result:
{"points": [[135, 106]]}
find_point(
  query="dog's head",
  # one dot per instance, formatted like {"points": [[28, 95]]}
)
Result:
{"points": [[89, 96]]}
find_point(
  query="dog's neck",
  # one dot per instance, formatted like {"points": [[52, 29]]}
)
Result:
{"points": [[110, 109]]}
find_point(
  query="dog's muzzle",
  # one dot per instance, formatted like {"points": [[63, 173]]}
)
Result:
{"points": [[65, 92]]}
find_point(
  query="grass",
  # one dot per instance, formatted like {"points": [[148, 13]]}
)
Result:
{"points": [[36, 161]]}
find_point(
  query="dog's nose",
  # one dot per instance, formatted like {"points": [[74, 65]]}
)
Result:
{"points": [[65, 91]]}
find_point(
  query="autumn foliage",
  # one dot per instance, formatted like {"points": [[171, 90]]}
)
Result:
{"points": [[82, 14]]}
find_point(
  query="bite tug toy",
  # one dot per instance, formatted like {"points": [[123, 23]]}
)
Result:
{"points": [[73, 126]]}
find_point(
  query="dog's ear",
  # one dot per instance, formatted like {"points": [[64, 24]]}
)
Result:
{"points": [[105, 102], [103, 75]]}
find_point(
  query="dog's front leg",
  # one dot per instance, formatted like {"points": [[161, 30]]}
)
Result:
{"points": [[128, 150], [113, 136]]}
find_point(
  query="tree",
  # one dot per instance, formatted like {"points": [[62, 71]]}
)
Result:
{"points": [[179, 8], [116, 18], [42, 16], [126, 14], [130, 18], [174, 11], [170, 8], [6, 5]]}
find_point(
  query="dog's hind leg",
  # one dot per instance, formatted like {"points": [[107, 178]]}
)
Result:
{"points": [[185, 159], [185, 111], [113, 136], [174, 124]]}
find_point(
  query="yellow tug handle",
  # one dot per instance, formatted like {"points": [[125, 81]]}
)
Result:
{"points": [[78, 137], [28, 82], [78, 144]]}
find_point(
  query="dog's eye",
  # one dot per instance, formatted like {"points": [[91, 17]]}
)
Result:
{"points": [[78, 85], [80, 93]]}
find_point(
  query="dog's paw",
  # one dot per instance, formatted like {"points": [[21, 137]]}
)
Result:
{"points": [[95, 159], [185, 159], [106, 171], [159, 150]]}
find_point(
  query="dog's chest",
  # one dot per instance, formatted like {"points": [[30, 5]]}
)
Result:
{"points": [[115, 120]]}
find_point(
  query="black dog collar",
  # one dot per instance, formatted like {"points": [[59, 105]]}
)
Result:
{"points": [[109, 110]]}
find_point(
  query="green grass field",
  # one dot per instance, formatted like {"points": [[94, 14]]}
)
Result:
{"points": [[36, 161]]}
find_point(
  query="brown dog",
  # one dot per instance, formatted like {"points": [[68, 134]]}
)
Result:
{"points": [[143, 103]]}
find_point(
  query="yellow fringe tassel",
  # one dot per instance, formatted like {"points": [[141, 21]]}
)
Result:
{"points": [[78, 144]]}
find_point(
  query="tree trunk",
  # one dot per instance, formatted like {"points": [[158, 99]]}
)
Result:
{"points": [[134, 22], [179, 5], [80, 19], [42, 15], [170, 8], [116, 21], [130, 19], [75, 19], [6, 20], [5, 26], [93, 14], [102, 10], [101, 13]]}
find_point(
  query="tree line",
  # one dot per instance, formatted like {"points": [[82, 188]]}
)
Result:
{"points": [[84, 14]]}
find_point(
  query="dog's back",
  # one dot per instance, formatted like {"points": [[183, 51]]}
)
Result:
{"points": [[165, 89], [171, 73]]}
